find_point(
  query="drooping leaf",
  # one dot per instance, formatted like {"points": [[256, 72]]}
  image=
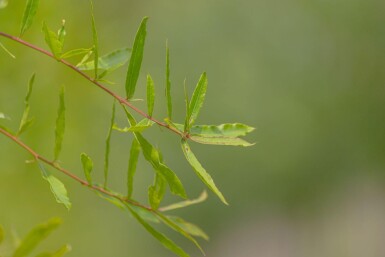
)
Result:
{"points": [[179, 229], [190, 228], [136, 59], [200, 171], [60, 124], [197, 98], [168, 84], [87, 166], [107, 151], [3, 3], [150, 95], [156, 191], [53, 42], [57, 187], [146, 214], [139, 127], [62, 32], [59, 253], [109, 61], [25, 123], [185, 203], [35, 237], [134, 155], [76, 52], [165, 241], [234, 141], [29, 14], [6, 50], [95, 40], [2, 234]]}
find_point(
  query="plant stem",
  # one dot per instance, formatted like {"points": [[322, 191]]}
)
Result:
{"points": [[83, 182], [121, 99]]}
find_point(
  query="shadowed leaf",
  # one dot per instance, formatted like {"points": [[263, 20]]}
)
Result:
{"points": [[76, 52], [87, 166], [156, 191], [190, 228]]}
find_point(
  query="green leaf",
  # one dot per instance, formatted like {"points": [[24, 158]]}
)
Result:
{"points": [[25, 123], [188, 114], [234, 141], [59, 253], [2, 234], [86, 57], [5, 49], [52, 41], [36, 236], [197, 98], [87, 166], [200, 171], [29, 14], [95, 40], [112, 200], [133, 161], [173, 125], [76, 52], [146, 214], [186, 203], [150, 95], [60, 124], [139, 127], [168, 84], [107, 151], [226, 130], [62, 32], [136, 59], [166, 242], [179, 229], [57, 187], [151, 154], [190, 228], [156, 191], [109, 61]]}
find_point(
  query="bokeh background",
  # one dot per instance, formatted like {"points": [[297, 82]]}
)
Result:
{"points": [[308, 74]]}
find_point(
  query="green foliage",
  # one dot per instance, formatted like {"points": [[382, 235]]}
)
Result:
{"points": [[25, 122], [108, 142], [197, 100], [53, 42], [88, 165], [168, 84], [29, 14], [133, 161], [95, 40]]}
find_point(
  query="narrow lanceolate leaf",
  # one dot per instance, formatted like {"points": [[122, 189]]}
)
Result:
{"points": [[145, 214], [197, 98], [234, 141], [200, 171], [25, 122], [168, 84], [186, 203], [2, 234], [59, 253], [179, 229], [35, 237], [150, 95], [107, 151], [190, 228], [156, 191], [118, 203], [7, 51], [188, 114], [225, 130], [87, 166], [139, 127], [60, 125], [95, 40], [62, 32], [52, 41], [136, 59], [133, 161], [57, 187], [76, 52], [86, 57], [109, 61], [29, 14], [165, 241]]}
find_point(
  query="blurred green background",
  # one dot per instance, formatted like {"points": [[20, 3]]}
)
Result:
{"points": [[309, 74]]}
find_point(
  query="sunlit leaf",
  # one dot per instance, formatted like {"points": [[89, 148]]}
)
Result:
{"points": [[60, 124], [185, 203], [86, 57], [165, 241], [57, 187], [168, 84], [95, 40], [134, 155], [107, 151], [2, 234], [6, 50], [52, 41], [234, 141], [156, 191], [190, 228], [150, 95], [136, 59], [139, 127], [197, 98], [59, 253], [109, 61], [62, 32], [35, 237], [25, 122], [87, 166], [227, 130], [29, 14], [76, 52], [200, 171]]}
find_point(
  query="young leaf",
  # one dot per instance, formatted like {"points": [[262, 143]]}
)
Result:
{"points": [[108, 140], [52, 41], [190, 228], [29, 14], [197, 98], [95, 39], [134, 155], [186, 203], [7, 51], [234, 141], [57, 187], [60, 124], [59, 253], [76, 52], [166, 242], [86, 57], [1, 234], [136, 59], [200, 171], [168, 84], [87, 166], [35, 237], [109, 61], [150, 95], [156, 191], [25, 123], [62, 32]]}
